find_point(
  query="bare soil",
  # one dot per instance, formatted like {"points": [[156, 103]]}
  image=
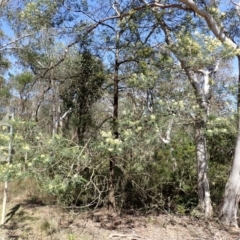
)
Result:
{"points": [[30, 219]]}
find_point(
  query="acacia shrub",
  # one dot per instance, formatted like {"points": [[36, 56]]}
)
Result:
{"points": [[149, 174]]}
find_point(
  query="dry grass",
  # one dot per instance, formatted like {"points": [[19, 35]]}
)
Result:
{"points": [[34, 220]]}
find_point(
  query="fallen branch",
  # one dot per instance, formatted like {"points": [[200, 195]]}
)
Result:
{"points": [[125, 236]]}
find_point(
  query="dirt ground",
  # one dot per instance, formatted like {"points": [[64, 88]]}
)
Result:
{"points": [[28, 219]]}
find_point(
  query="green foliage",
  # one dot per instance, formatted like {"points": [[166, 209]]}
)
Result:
{"points": [[221, 137], [85, 75], [145, 168], [4, 92], [201, 49], [69, 58], [4, 64], [23, 79], [38, 13], [38, 156], [148, 171], [142, 81]]}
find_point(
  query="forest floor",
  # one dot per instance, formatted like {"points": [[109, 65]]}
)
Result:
{"points": [[31, 219]]}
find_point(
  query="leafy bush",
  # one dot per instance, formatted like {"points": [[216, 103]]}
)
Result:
{"points": [[149, 174]]}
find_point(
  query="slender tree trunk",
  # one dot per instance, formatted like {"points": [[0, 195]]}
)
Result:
{"points": [[9, 159], [202, 94], [204, 201], [37, 103], [56, 109], [81, 129], [229, 206], [112, 163], [111, 188]]}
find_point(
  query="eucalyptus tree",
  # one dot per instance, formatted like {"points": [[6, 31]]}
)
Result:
{"points": [[198, 70], [224, 25], [215, 22], [194, 72]]}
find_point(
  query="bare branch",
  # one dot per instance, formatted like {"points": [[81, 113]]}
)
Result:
{"points": [[65, 114], [236, 4], [59, 121], [116, 8], [167, 138], [216, 66], [3, 47], [159, 5], [200, 71], [90, 28]]}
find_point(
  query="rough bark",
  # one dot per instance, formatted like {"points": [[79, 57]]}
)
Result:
{"points": [[112, 162]]}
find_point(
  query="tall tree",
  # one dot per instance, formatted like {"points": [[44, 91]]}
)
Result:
{"points": [[211, 13], [199, 77]]}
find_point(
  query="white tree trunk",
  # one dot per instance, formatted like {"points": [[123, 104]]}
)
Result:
{"points": [[202, 96], [8, 117], [204, 200], [56, 109], [229, 207]]}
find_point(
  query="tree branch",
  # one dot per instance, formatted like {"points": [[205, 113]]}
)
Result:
{"points": [[90, 28], [3, 47], [236, 4], [167, 139], [212, 24]]}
